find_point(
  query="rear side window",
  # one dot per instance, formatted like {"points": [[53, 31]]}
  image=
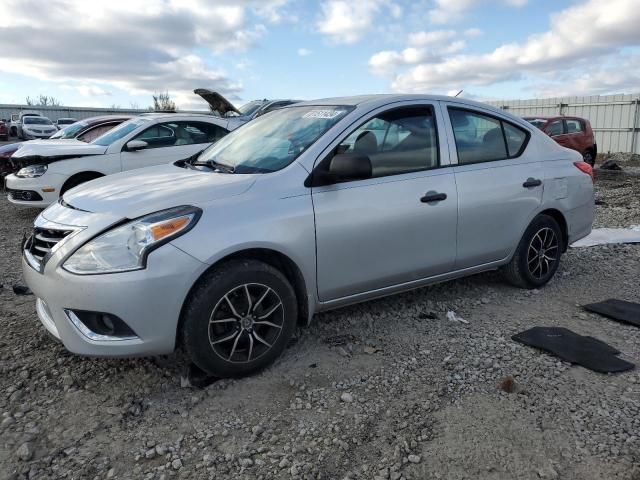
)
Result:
{"points": [[574, 126], [483, 138]]}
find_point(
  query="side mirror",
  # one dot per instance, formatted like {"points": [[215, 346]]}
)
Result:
{"points": [[135, 145], [350, 166]]}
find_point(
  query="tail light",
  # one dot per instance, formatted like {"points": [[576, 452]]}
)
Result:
{"points": [[584, 167]]}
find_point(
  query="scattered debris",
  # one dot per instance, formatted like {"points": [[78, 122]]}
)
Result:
{"points": [[196, 377], [508, 384], [610, 165], [625, 312], [22, 290], [371, 350], [346, 397], [589, 352], [338, 340], [454, 317]]}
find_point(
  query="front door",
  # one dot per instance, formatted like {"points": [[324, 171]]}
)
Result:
{"points": [[399, 225]]}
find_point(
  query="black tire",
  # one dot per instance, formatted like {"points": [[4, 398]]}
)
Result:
{"points": [[589, 157], [77, 180], [208, 318], [537, 256]]}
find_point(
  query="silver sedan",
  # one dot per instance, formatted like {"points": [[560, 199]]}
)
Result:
{"points": [[311, 207]]}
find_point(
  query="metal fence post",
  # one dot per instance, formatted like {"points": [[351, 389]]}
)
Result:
{"points": [[634, 133]]}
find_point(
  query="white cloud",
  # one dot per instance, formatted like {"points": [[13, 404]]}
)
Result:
{"points": [[346, 21], [423, 47], [88, 90], [447, 11], [579, 36], [304, 52], [140, 46]]}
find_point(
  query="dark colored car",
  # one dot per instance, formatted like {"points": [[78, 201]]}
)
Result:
{"points": [[85, 130], [570, 132], [4, 130]]}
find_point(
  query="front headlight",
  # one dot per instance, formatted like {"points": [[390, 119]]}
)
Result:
{"points": [[32, 171], [125, 248]]}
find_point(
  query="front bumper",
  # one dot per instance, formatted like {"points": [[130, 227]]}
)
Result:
{"points": [[149, 301], [34, 136], [37, 185]]}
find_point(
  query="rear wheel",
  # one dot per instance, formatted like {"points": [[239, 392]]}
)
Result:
{"points": [[537, 256], [239, 319], [589, 157]]}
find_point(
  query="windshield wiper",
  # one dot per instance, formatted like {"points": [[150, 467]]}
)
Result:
{"points": [[212, 164]]}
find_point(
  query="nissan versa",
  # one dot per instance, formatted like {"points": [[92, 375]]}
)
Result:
{"points": [[310, 207]]}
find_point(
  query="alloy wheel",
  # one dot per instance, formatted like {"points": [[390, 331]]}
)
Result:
{"points": [[542, 253], [246, 322]]}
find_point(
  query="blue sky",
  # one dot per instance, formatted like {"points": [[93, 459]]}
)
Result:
{"points": [[119, 52]]}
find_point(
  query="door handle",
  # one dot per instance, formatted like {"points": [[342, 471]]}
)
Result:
{"points": [[433, 197], [532, 182]]}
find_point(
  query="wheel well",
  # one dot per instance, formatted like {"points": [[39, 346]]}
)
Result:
{"points": [[271, 257], [559, 217], [81, 177]]}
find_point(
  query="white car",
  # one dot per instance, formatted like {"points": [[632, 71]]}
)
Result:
{"points": [[50, 168]]}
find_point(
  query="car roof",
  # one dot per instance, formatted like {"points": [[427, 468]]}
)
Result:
{"points": [[382, 99], [105, 118], [179, 115]]}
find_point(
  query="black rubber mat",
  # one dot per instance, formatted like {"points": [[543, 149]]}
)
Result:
{"points": [[589, 352], [625, 312]]}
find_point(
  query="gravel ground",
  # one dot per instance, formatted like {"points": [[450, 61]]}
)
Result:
{"points": [[390, 389]]}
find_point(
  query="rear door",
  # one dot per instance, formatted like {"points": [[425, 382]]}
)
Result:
{"points": [[499, 181], [170, 141], [382, 231]]}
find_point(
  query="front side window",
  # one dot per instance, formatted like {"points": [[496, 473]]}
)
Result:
{"points": [[92, 134], [71, 131], [555, 128], [401, 141], [120, 131], [574, 125], [176, 134], [483, 138], [273, 141]]}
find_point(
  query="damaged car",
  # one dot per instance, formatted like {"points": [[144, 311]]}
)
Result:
{"points": [[47, 169], [314, 206], [84, 130], [243, 114]]}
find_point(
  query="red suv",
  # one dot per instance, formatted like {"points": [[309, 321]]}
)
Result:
{"points": [[571, 132]]}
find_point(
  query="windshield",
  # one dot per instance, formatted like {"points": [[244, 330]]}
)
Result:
{"points": [[120, 131], [250, 108], [36, 121], [71, 131], [273, 141], [537, 122]]}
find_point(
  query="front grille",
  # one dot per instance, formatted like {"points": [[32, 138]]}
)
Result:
{"points": [[43, 240]]}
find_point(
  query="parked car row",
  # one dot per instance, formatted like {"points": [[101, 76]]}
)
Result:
{"points": [[233, 236]]}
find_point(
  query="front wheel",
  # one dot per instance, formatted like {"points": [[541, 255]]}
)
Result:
{"points": [[239, 318], [537, 256]]}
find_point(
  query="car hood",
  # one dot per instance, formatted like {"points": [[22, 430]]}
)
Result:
{"points": [[216, 101], [48, 151], [147, 190]]}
